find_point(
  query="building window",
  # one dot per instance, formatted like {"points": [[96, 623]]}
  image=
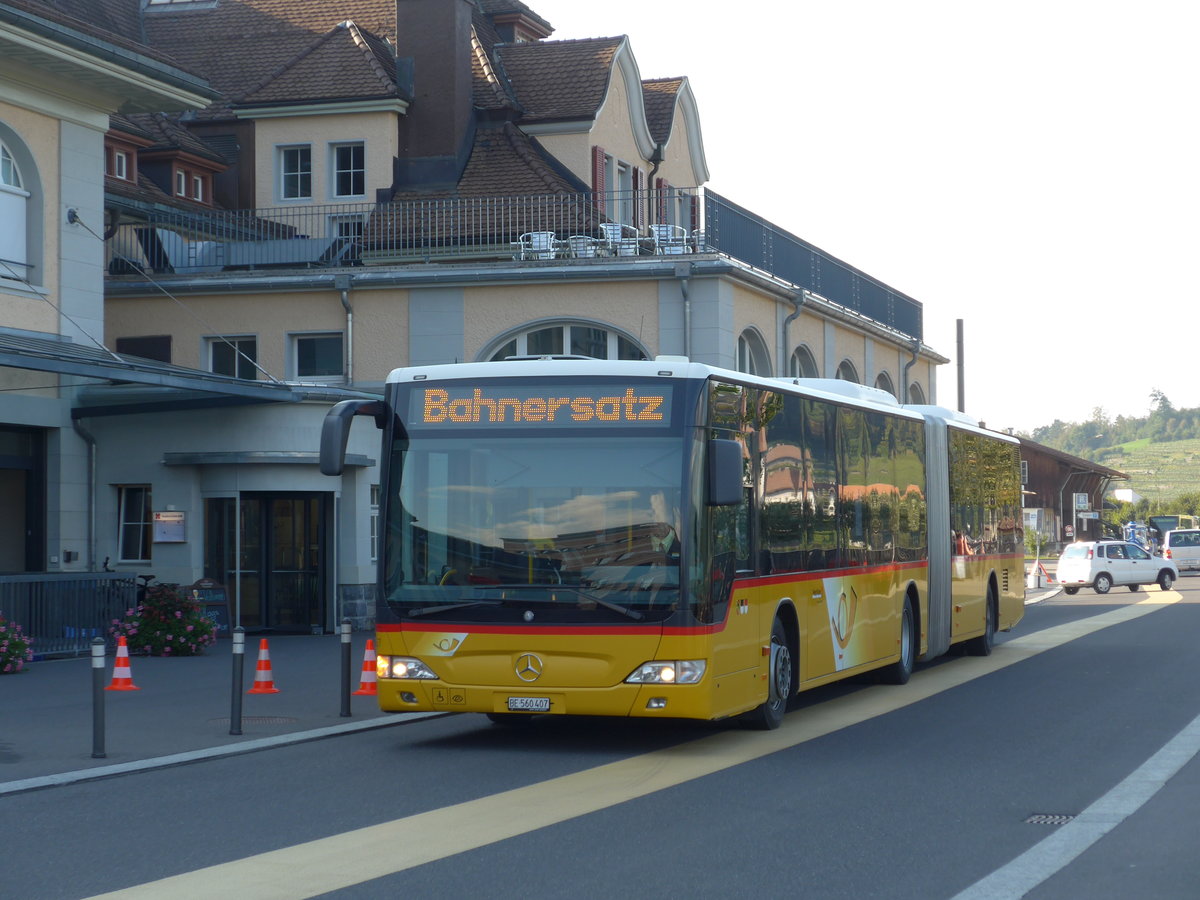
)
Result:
{"points": [[346, 226], [155, 346], [14, 200], [198, 187], [374, 522], [752, 357], [349, 171], [135, 523], [318, 355], [916, 396], [180, 183], [883, 381], [802, 364], [295, 166], [576, 339], [120, 167], [234, 356], [847, 372]]}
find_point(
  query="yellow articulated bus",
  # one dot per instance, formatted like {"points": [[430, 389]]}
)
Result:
{"points": [[667, 539]]}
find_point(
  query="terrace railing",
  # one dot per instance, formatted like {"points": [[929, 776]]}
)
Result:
{"points": [[62, 613], [526, 228]]}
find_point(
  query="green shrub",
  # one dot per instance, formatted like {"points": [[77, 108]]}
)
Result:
{"points": [[165, 623]]}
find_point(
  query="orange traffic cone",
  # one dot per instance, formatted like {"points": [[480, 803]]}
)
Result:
{"points": [[369, 681], [122, 679], [263, 679]]}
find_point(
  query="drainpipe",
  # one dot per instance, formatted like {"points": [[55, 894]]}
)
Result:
{"points": [[342, 283], [682, 272], [916, 349], [656, 158], [797, 302], [90, 440]]}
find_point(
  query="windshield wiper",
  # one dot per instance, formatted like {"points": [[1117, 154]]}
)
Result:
{"points": [[446, 607], [608, 604]]}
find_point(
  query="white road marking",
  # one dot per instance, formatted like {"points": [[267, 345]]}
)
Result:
{"points": [[364, 854]]}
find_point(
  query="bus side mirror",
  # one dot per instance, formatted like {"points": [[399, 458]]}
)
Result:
{"points": [[335, 430], [724, 472]]}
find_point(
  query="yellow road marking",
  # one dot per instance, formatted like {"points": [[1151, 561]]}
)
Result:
{"points": [[364, 854]]}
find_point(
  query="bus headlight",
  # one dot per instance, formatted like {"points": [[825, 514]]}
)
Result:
{"points": [[675, 671], [402, 667]]}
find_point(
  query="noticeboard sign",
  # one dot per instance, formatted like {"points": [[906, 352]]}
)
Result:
{"points": [[170, 527], [1082, 502]]}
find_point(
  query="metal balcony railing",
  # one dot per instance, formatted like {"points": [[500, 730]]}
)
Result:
{"points": [[526, 228]]}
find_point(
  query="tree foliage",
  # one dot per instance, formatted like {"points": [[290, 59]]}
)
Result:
{"points": [[1093, 439]]}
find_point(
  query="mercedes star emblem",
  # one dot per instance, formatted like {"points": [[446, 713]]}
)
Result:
{"points": [[529, 667]]}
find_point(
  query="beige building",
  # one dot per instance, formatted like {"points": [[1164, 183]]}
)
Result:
{"points": [[385, 183]]}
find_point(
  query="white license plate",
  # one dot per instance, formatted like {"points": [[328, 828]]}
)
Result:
{"points": [[529, 704]]}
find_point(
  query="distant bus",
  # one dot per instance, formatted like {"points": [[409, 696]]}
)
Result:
{"points": [[1160, 525], [667, 539]]}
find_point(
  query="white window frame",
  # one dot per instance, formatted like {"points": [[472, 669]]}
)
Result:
{"points": [[347, 226], [299, 174], [198, 188], [141, 518], [335, 171], [14, 201], [295, 340], [521, 340], [121, 165], [242, 343], [180, 183]]}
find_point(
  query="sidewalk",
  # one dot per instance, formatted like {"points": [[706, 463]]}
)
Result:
{"points": [[183, 706]]}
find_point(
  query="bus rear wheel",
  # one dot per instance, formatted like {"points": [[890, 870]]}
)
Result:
{"points": [[780, 680], [899, 671], [982, 645]]}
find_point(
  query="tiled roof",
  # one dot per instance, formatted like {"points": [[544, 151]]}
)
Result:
{"points": [[238, 45], [344, 62], [556, 80], [499, 7], [658, 97], [115, 22], [168, 134]]}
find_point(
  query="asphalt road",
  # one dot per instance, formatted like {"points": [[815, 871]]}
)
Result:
{"points": [[921, 791]]}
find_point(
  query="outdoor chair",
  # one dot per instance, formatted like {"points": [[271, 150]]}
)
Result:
{"points": [[669, 240], [537, 245], [620, 239]]}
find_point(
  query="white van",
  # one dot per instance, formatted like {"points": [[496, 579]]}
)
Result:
{"points": [[1182, 546]]}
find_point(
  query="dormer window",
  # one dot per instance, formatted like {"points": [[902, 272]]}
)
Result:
{"points": [[198, 188], [180, 183], [120, 165]]}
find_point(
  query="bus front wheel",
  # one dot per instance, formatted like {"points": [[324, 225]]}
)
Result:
{"points": [[780, 680]]}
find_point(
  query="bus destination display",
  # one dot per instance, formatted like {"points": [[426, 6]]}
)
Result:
{"points": [[509, 405]]}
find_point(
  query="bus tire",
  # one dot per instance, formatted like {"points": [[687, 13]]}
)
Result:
{"points": [[900, 671], [982, 645], [781, 680]]}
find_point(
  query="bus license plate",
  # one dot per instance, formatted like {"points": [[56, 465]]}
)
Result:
{"points": [[529, 704]]}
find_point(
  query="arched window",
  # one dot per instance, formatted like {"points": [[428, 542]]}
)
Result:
{"points": [[883, 381], [802, 364], [916, 395], [568, 338], [752, 356], [847, 372], [14, 203]]}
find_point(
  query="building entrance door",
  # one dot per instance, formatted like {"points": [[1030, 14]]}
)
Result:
{"points": [[22, 496], [283, 552]]}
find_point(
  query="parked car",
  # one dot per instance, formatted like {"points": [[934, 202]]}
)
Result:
{"points": [[1182, 547], [1101, 564]]}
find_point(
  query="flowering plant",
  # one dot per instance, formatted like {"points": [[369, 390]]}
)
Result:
{"points": [[16, 648], [165, 623]]}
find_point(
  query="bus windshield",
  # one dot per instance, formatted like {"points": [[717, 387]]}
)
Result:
{"points": [[571, 528]]}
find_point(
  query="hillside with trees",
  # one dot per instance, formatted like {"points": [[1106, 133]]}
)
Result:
{"points": [[1159, 452]]}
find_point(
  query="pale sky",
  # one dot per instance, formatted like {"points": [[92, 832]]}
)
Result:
{"points": [[1028, 167]]}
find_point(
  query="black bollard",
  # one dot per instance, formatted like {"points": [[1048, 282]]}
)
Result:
{"points": [[239, 660], [346, 662], [98, 698]]}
